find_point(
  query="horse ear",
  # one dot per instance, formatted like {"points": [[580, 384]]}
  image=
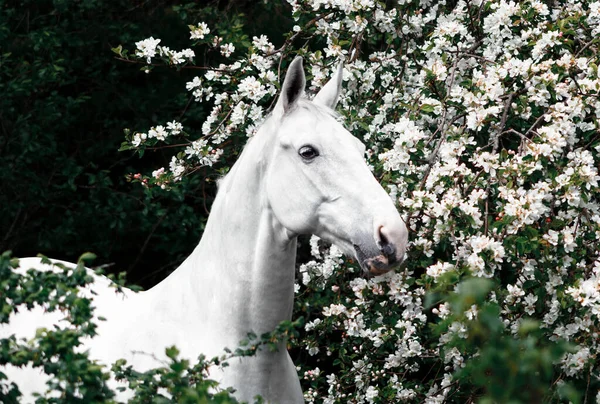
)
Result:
{"points": [[293, 85], [330, 92]]}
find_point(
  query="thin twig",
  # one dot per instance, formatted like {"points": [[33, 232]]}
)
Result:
{"points": [[167, 146], [486, 224], [523, 138], [139, 62], [585, 47], [495, 140], [152, 231], [535, 124], [12, 226], [186, 107]]}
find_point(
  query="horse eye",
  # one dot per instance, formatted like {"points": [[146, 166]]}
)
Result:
{"points": [[308, 152]]}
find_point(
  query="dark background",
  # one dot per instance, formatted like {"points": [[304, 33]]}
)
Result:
{"points": [[64, 102]]}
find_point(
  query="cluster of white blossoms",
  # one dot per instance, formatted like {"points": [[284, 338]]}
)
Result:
{"points": [[199, 31], [150, 48], [203, 152], [159, 133], [240, 111], [587, 292], [147, 48], [481, 118]]}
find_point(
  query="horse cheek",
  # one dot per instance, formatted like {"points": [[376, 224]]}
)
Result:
{"points": [[292, 211]]}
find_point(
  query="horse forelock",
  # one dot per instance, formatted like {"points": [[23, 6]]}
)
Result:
{"points": [[318, 110], [258, 148]]}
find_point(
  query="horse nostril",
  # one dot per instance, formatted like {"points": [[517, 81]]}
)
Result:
{"points": [[388, 250], [382, 238]]}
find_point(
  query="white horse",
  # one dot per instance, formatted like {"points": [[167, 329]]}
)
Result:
{"points": [[302, 173]]}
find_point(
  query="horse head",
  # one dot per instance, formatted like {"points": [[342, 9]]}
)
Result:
{"points": [[318, 182]]}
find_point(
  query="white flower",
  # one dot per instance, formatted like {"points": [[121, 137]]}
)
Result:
{"points": [[227, 49], [177, 167], [138, 138], [438, 269], [158, 173], [334, 310], [484, 243], [261, 63], [453, 355], [174, 127], [514, 292], [147, 48], [195, 83], [314, 246], [262, 44], [371, 394], [239, 113], [552, 237], [158, 132], [477, 264], [574, 363], [251, 88], [197, 148], [443, 310], [569, 243], [183, 55], [471, 314], [200, 31], [529, 302], [312, 324]]}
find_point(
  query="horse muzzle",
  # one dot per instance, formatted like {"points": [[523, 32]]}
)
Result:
{"points": [[379, 264]]}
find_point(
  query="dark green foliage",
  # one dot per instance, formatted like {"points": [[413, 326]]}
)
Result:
{"points": [[506, 367], [73, 376], [65, 101]]}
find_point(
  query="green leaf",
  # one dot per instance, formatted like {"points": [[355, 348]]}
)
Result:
{"points": [[172, 352], [118, 50], [126, 146], [87, 257], [528, 325]]}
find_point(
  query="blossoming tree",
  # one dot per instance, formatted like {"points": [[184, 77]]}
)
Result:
{"points": [[482, 120]]}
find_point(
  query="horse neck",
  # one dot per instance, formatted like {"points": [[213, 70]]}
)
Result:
{"points": [[241, 275]]}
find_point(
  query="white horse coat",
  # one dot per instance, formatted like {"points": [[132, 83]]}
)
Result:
{"points": [[302, 173]]}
